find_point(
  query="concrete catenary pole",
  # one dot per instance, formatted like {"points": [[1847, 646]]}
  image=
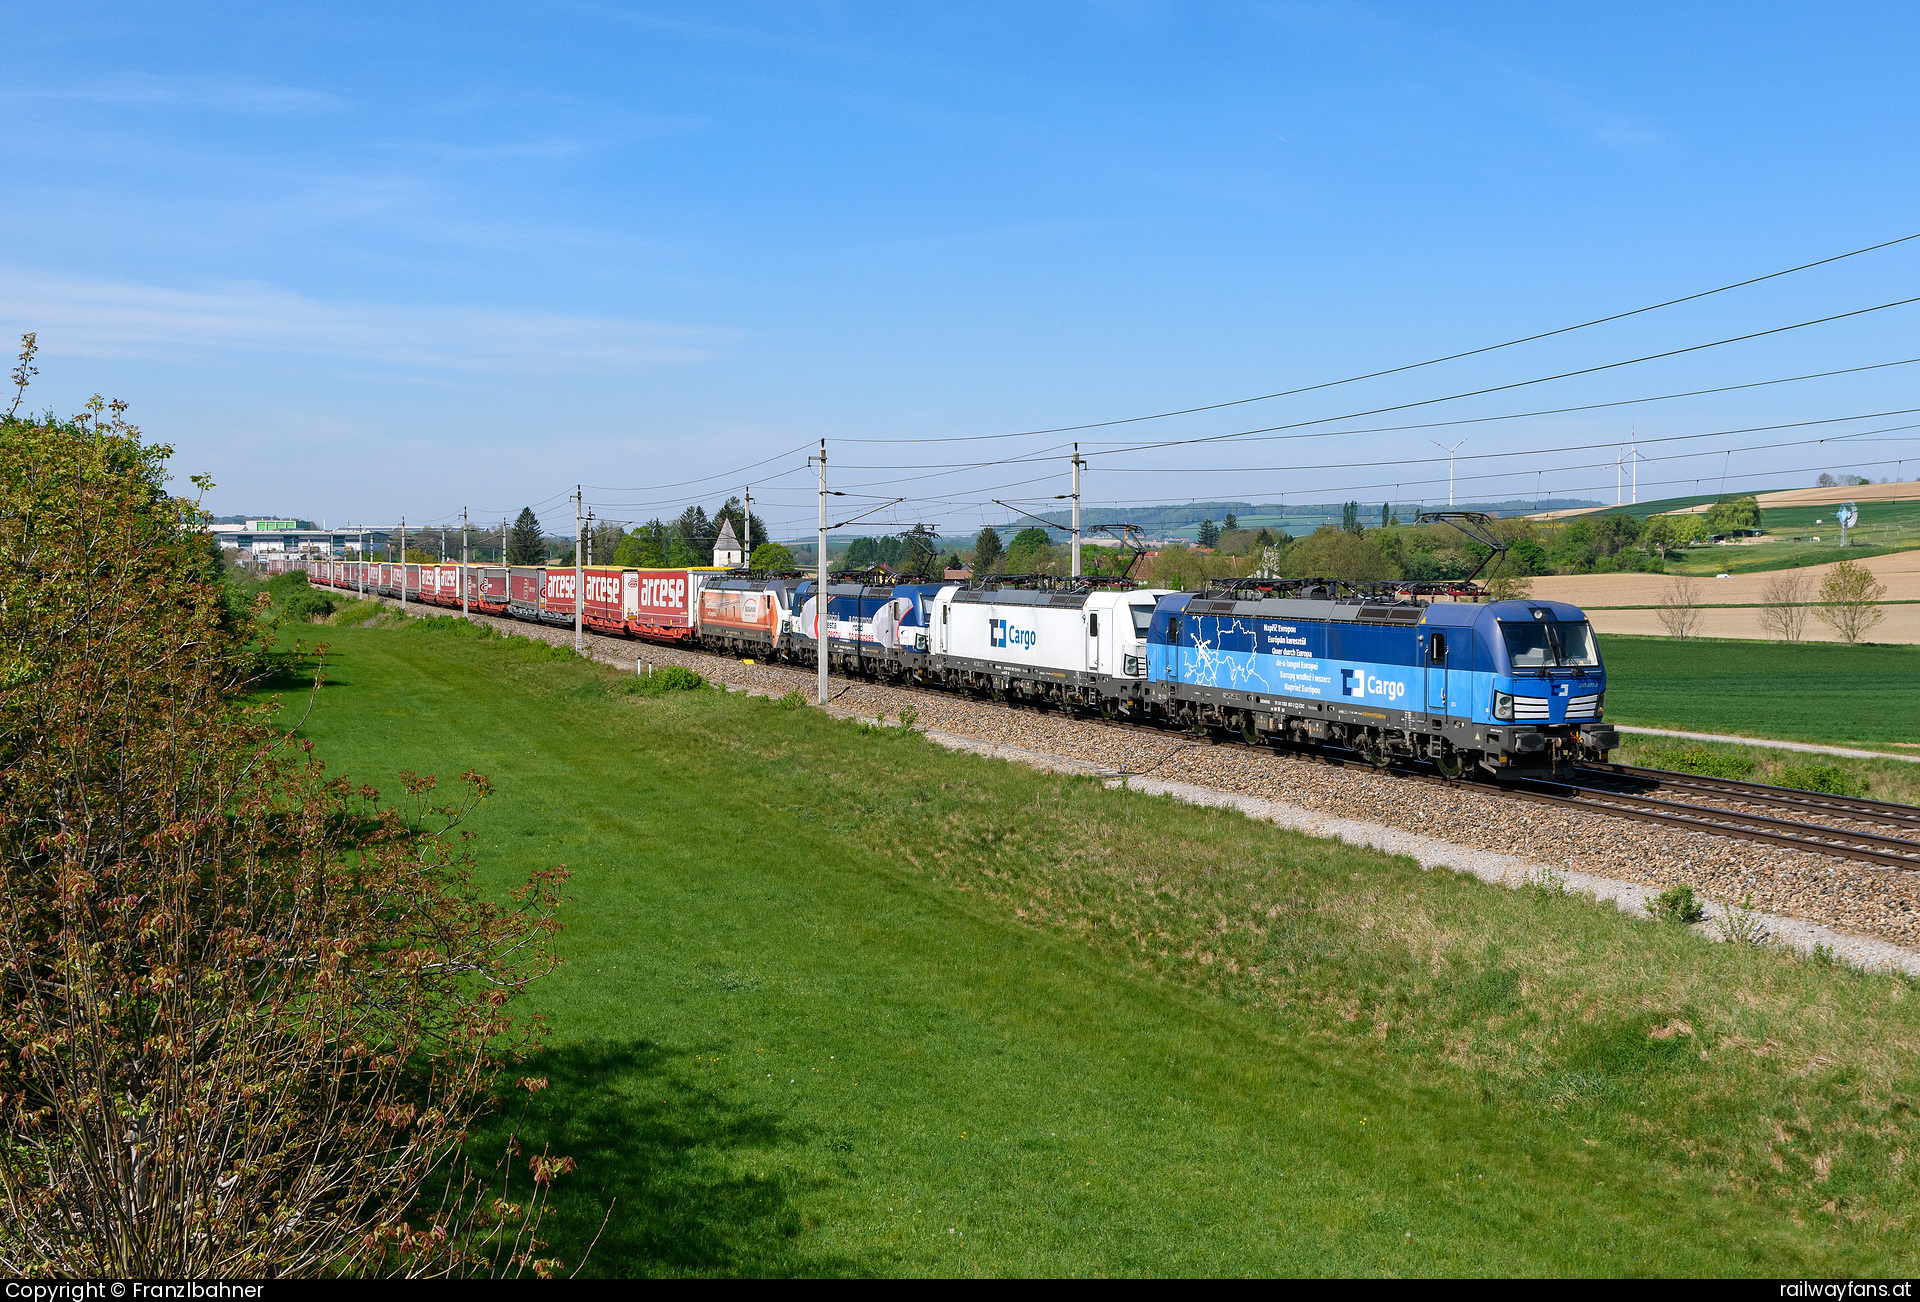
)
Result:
{"points": [[403, 564], [464, 578], [746, 524], [1077, 463], [579, 576], [820, 584]]}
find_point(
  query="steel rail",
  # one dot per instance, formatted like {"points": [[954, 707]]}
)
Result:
{"points": [[1892, 851], [1856, 807]]}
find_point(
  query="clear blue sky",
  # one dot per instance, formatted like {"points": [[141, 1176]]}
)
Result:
{"points": [[363, 260]]}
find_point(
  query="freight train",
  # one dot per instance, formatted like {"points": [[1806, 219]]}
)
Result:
{"points": [[1391, 671]]}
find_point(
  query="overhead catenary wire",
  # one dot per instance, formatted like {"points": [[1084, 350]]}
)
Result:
{"points": [[939, 471], [1414, 366], [1519, 452], [1107, 454]]}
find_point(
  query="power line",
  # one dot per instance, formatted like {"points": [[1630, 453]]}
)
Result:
{"points": [[1519, 384], [1520, 452], [1263, 435], [1411, 366], [741, 470]]}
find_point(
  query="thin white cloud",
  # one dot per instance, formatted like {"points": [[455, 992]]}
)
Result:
{"points": [[147, 91], [97, 318]]}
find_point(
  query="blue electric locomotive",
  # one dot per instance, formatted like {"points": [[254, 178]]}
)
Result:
{"points": [[1506, 685]]}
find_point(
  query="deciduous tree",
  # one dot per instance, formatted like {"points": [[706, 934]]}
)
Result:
{"points": [[772, 556], [247, 1010], [1849, 600], [1679, 608], [1329, 553], [1027, 550], [1784, 611]]}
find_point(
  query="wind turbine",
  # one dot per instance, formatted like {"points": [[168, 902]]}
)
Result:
{"points": [[1449, 451]]}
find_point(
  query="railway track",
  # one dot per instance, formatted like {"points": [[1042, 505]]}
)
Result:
{"points": [[1883, 848], [1856, 808], [1875, 847], [1615, 790]]}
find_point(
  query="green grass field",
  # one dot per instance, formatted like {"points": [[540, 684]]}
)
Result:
{"points": [[1808, 691], [837, 1001], [1884, 527]]}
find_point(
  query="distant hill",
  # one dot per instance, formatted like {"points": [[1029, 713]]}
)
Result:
{"points": [[1182, 519]]}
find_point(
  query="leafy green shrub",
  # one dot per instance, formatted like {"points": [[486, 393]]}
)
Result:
{"points": [[664, 679], [909, 717], [1829, 779], [1706, 763], [1677, 904], [203, 912], [297, 601]]}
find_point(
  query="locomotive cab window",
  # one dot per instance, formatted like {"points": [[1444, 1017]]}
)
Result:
{"points": [[1527, 645], [1550, 644], [1575, 642], [1437, 649], [1142, 619], [1093, 624]]}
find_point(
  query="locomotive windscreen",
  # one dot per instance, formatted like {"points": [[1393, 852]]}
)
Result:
{"points": [[1142, 618], [1549, 644], [1576, 644]]}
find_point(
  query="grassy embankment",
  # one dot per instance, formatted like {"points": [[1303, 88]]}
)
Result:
{"points": [[836, 1000], [1822, 692]]}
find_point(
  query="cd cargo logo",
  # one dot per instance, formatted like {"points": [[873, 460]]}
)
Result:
{"points": [[1358, 682], [1002, 633]]}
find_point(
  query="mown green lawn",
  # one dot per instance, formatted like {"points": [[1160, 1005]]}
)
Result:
{"points": [[836, 1001], [1806, 691]]}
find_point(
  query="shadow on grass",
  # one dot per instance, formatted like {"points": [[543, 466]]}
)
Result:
{"points": [[698, 1184]]}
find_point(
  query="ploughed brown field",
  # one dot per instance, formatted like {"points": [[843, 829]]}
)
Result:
{"points": [[1594, 592]]}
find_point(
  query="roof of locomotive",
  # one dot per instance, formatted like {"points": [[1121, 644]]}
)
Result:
{"points": [[1072, 599], [1354, 610]]}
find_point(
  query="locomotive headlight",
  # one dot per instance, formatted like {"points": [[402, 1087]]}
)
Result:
{"points": [[1503, 705], [1600, 706]]}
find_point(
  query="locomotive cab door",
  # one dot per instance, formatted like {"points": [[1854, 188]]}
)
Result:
{"points": [[1093, 639], [1439, 698]]}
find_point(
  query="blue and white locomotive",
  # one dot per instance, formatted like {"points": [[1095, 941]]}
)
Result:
{"points": [[1506, 685], [1392, 671]]}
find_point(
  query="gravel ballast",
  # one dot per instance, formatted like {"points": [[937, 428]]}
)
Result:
{"points": [[1867, 915]]}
